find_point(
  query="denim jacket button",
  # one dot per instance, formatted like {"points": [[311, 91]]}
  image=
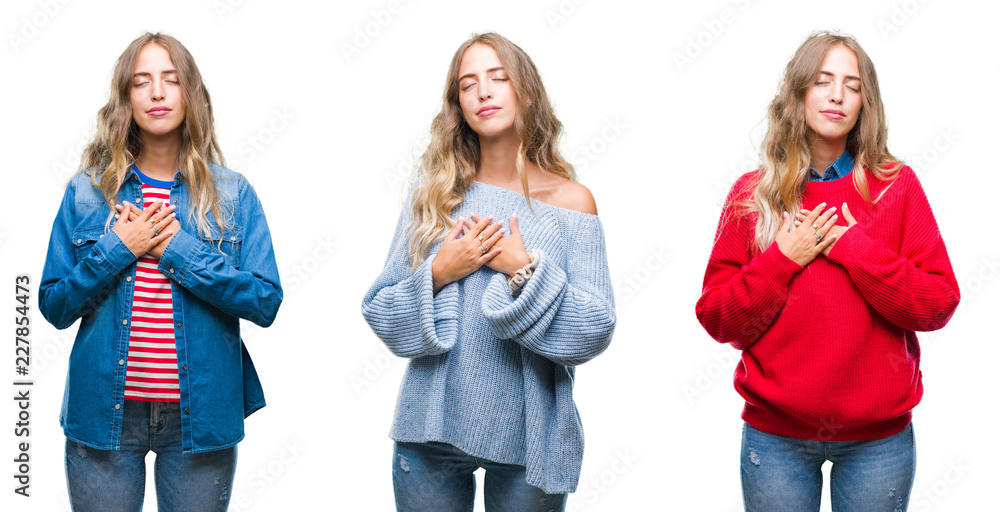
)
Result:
{"points": [[187, 411], [138, 200], [171, 271], [175, 201], [79, 240], [124, 322], [118, 406], [184, 367], [121, 362], [128, 279], [179, 325]]}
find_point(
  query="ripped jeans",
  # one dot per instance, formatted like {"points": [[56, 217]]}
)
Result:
{"points": [[115, 480], [783, 473], [439, 477]]}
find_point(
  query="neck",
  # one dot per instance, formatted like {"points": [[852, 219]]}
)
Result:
{"points": [[824, 152], [498, 161], [159, 156]]}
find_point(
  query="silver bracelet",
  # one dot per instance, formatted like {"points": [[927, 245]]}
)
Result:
{"points": [[516, 281]]}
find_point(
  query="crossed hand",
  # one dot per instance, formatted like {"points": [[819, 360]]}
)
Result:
{"points": [[814, 232], [472, 243], [146, 231]]}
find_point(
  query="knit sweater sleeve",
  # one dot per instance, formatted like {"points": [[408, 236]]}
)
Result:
{"points": [[401, 307], [915, 289], [564, 313], [742, 294]]}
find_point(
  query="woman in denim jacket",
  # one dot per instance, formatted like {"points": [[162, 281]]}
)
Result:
{"points": [[153, 220]]}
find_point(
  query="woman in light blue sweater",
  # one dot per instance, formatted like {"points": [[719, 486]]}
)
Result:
{"points": [[493, 322]]}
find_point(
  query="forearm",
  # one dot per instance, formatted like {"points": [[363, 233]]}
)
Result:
{"points": [[739, 302], [915, 298], [408, 316]]}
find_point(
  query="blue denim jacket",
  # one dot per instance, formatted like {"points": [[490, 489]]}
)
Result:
{"points": [[90, 274]]}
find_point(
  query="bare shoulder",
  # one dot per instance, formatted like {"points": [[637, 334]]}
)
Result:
{"points": [[574, 196]]}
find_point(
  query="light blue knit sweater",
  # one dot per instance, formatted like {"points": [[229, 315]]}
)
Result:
{"points": [[489, 373]]}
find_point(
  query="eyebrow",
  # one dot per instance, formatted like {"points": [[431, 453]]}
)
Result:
{"points": [[849, 77], [144, 73], [473, 75]]}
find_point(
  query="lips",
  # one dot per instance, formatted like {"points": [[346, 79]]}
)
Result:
{"points": [[158, 111], [836, 115], [488, 110]]}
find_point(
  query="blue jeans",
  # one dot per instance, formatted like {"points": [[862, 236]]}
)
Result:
{"points": [[783, 473], [439, 477], [115, 480]]}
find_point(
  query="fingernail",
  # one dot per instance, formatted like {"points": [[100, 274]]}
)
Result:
{"points": [[834, 216], [116, 215]]}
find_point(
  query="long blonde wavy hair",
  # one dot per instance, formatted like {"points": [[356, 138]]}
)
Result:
{"points": [[786, 153], [448, 167], [117, 144]]}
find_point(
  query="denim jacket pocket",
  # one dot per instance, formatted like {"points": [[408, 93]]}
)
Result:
{"points": [[84, 240], [228, 243]]}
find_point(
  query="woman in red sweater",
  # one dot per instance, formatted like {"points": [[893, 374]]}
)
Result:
{"points": [[826, 261]]}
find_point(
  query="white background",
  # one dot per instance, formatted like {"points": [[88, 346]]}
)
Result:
{"points": [[666, 140]]}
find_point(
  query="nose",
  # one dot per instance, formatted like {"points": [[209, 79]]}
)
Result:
{"points": [[157, 91], [485, 90], [837, 93]]}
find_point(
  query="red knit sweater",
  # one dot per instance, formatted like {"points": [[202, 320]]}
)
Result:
{"points": [[829, 350]]}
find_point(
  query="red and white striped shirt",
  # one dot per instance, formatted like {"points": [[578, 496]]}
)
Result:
{"points": [[151, 374]]}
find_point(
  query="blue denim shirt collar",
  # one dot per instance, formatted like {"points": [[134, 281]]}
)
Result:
{"points": [[842, 167]]}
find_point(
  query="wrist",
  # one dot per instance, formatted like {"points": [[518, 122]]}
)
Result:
{"points": [[519, 262], [437, 279], [517, 281]]}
